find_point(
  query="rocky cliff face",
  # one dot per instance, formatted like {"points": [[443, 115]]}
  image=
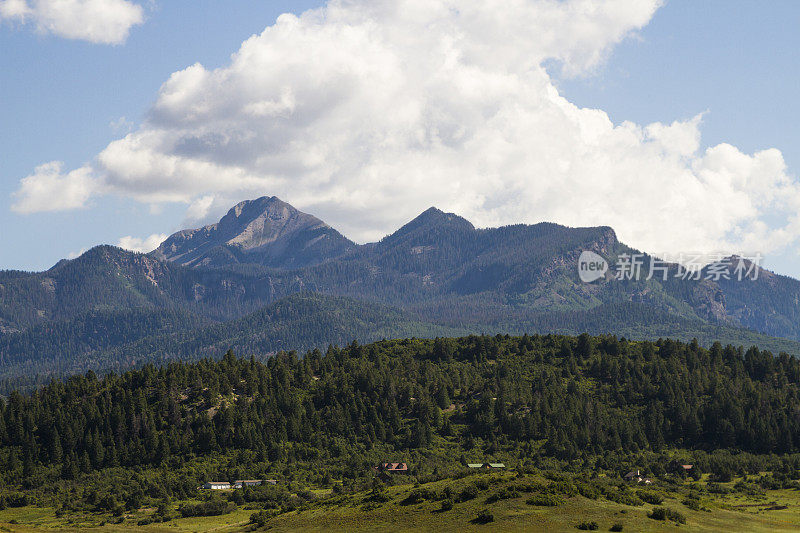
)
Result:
{"points": [[266, 231]]}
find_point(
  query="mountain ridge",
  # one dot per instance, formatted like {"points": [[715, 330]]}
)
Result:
{"points": [[437, 267]]}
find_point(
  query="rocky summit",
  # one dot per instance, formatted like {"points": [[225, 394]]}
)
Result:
{"points": [[265, 231]]}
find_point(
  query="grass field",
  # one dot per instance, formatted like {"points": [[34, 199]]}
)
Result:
{"points": [[767, 511]]}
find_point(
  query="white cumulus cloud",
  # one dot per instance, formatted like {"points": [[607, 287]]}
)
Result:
{"points": [[96, 21], [49, 189], [366, 112], [142, 245], [200, 208]]}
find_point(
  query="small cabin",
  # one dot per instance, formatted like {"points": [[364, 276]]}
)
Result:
{"points": [[392, 468], [637, 477], [632, 475], [385, 470], [486, 466], [677, 467], [217, 485]]}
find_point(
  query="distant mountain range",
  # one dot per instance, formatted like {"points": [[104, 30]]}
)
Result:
{"points": [[268, 277]]}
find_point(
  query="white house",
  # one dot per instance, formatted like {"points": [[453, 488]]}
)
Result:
{"points": [[217, 485]]}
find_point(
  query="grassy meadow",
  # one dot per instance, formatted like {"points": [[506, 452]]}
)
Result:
{"points": [[449, 506]]}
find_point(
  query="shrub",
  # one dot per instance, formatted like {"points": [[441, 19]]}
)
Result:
{"points": [[468, 493], [525, 487], [658, 513], [16, 499], [532, 487], [665, 513], [503, 494], [716, 488], [545, 500], [616, 527], [751, 489], [770, 482], [378, 496], [484, 517], [723, 476], [553, 475], [625, 498], [210, 508], [588, 526], [419, 496], [261, 518], [588, 491], [292, 504], [563, 487], [447, 504], [692, 503], [306, 495], [370, 506], [269, 494], [651, 497]]}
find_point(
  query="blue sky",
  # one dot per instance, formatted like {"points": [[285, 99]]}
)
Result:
{"points": [[59, 98], [66, 99]]}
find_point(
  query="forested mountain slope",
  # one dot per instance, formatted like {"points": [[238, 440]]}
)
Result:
{"points": [[108, 278], [438, 271], [118, 340], [599, 402]]}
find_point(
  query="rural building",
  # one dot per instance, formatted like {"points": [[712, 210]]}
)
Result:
{"points": [[631, 475], [240, 483], [385, 470], [487, 466], [679, 468], [217, 485], [392, 468], [637, 477]]}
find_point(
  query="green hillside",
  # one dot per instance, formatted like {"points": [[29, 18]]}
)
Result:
{"points": [[568, 416], [119, 340]]}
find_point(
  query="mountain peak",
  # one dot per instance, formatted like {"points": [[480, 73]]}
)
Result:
{"points": [[265, 231], [427, 225], [259, 205], [431, 211], [436, 217]]}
